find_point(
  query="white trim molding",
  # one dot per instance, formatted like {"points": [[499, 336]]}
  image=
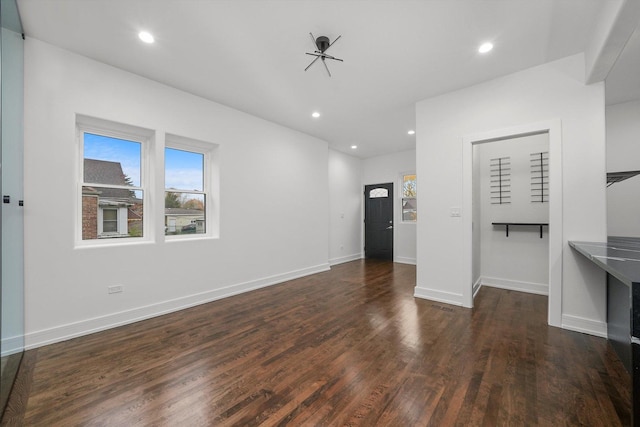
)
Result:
{"points": [[515, 285], [476, 287], [439, 296], [586, 326], [101, 323], [405, 260], [346, 258]]}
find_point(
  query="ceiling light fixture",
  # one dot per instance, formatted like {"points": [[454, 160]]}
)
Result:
{"points": [[146, 37], [485, 47], [321, 45], [412, 132], [353, 147], [315, 114]]}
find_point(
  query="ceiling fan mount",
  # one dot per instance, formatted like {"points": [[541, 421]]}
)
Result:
{"points": [[322, 44]]}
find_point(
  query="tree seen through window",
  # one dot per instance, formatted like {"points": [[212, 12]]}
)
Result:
{"points": [[409, 197]]}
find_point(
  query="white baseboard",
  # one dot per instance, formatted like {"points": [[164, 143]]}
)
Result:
{"points": [[343, 259], [12, 345], [586, 326], [439, 296], [405, 260], [476, 287], [97, 324], [515, 285]]}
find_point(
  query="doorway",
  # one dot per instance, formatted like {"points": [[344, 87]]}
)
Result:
{"points": [[555, 233], [378, 221], [511, 214]]}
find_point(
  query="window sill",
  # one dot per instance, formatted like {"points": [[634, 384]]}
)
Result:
{"points": [[112, 242], [183, 238]]}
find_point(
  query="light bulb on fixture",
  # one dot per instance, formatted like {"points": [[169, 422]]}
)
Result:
{"points": [[315, 114], [353, 147], [485, 47], [412, 132], [146, 37]]}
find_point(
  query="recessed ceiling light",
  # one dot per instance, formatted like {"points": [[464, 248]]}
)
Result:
{"points": [[412, 132], [353, 147], [146, 37], [315, 114], [485, 47]]}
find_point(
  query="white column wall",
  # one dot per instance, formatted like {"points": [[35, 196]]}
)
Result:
{"points": [[554, 91]]}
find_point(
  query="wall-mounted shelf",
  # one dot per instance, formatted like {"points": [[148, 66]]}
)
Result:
{"points": [[522, 224], [613, 177]]}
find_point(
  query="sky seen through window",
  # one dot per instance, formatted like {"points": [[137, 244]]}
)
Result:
{"points": [[183, 169]]}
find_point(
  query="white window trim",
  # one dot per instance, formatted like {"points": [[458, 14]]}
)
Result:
{"points": [[210, 190], [401, 197], [87, 124]]}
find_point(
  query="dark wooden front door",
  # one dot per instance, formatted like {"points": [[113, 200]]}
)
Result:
{"points": [[378, 221]]}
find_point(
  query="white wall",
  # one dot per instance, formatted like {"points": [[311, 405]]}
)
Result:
{"points": [[554, 91], [345, 201], [521, 260], [623, 154], [390, 168], [273, 202]]}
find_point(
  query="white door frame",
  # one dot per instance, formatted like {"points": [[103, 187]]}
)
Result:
{"points": [[554, 129]]}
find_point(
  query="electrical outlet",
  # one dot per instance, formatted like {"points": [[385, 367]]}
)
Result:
{"points": [[116, 289]]}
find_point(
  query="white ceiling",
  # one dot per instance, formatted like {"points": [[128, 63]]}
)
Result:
{"points": [[250, 55], [623, 81]]}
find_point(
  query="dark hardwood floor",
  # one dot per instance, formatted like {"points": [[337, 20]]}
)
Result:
{"points": [[346, 347]]}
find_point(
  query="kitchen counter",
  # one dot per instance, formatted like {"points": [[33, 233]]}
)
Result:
{"points": [[620, 258]]}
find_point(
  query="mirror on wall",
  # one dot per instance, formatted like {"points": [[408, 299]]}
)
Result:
{"points": [[11, 219]]}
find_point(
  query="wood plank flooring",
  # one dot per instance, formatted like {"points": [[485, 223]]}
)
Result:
{"points": [[348, 347]]}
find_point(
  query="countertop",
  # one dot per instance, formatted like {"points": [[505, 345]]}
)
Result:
{"points": [[619, 256]]}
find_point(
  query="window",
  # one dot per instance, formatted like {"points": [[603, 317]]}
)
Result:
{"points": [[119, 199], [110, 220], [187, 192], [378, 192], [409, 194], [112, 185]]}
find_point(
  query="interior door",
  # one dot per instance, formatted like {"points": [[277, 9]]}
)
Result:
{"points": [[378, 221]]}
